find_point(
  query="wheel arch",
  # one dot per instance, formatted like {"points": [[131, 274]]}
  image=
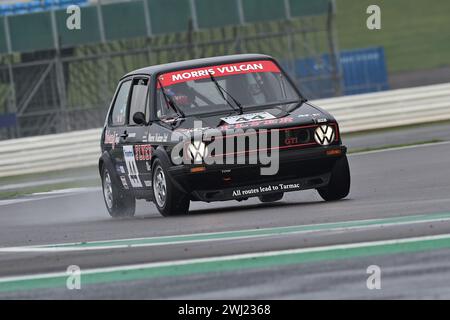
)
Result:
{"points": [[104, 159], [162, 154]]}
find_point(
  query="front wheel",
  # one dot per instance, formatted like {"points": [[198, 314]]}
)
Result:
{"points": [[339, 185], [168, 200], [119, 204]]}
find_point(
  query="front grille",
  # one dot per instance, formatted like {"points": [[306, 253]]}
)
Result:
{"points": [[297, 137], [248, 144]]}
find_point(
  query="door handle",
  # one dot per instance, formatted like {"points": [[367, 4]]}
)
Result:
{"points": [[124, 135]]}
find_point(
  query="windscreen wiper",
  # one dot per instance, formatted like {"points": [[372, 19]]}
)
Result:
{"points": [[170, 102], [222, 91], [299, 104], [283, 89]]}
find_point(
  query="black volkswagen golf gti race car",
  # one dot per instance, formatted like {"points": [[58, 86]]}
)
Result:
{"points": [[215, 129]]}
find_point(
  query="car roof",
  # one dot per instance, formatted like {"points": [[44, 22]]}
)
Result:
{"points": [[196, 63]]}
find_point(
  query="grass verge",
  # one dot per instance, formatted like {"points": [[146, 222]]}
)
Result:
{"points": [[392, 146], [52, 187]]}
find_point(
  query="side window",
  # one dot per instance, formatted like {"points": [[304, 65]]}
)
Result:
{"points": [[163, 110], [138, 99], [118, 115]]}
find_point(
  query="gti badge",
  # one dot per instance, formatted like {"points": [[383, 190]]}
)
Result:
{"points": [[324, 135], [290, 141]]}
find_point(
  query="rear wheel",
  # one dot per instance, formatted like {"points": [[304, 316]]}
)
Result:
{"points": [[339, 186], [168, 199], [271, 197], [119, 203]]}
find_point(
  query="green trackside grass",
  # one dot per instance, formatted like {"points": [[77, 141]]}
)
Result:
{"points": [[38, 177], [258, 261], [47, 188], [391, 146], [414, 33], [398, 128], [75, 172]]}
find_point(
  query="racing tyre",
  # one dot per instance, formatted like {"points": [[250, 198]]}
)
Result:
{"points": [[339, 186], [168, 199], [271, 197], [120, 204]]}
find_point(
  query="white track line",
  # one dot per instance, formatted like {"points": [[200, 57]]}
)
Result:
{"points": [[48, 195], [229, 257], [400, 148], [42, 249], [22, 185]]}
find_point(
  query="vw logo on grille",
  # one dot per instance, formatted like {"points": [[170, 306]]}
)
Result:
{"points": [[324, 135], [198, 150]]}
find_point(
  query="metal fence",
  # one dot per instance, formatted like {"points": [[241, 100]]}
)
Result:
{"points": [[142, 18], [54, 91]]}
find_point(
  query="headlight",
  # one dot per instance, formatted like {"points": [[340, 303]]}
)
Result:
{"points": [[197, 151]]}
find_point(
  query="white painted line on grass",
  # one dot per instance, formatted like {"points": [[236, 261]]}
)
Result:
{"points": [[230, 257], [400, 148], [270, 233]]}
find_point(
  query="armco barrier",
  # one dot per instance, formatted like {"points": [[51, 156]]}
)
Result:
{"points": [[49, 152], [355, 113]]}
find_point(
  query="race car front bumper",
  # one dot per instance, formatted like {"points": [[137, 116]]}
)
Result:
{"points": [[298, 170], [244, 192]]}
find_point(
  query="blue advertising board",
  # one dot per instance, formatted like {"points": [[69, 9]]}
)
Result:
{"points": [[363, 70], [8, 120]]}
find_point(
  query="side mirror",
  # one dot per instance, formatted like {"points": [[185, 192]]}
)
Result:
{"points": [[139, 118]]}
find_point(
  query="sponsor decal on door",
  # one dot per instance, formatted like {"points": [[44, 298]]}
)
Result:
{"points": [[133, 172], [143, 152]]}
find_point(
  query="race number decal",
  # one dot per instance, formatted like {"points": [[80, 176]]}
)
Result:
{"points": [[133, 172], [248, 117]]}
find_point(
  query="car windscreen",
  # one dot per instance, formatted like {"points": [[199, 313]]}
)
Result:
{"points": [[222, 88]]}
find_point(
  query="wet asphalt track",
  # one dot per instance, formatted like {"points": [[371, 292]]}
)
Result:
{"points": [[407, 189]]}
